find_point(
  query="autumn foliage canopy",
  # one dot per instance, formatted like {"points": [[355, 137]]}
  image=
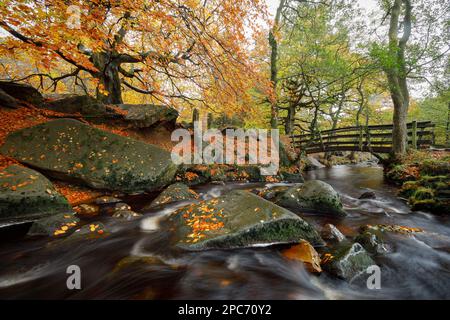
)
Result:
{"points": [[173, 51]]}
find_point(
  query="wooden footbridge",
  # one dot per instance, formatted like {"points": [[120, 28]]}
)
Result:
{"points": [[375, 139]]}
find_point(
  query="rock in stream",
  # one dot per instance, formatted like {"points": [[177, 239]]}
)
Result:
{"points": [[238, 219]]}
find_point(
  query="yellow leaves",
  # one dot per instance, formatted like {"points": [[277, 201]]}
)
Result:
{"points": [[306, 253], [327, 257], [205, 219], [78, 166], [65, 227]]}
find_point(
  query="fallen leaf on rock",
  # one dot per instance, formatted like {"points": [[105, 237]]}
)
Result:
{"points": [[306, 253]]}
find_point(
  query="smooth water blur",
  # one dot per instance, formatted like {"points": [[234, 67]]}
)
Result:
{"points": [[417, 267]]}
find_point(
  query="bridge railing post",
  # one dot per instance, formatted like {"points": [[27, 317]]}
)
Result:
{"points": [[414, 135], [321, 140], [360, 141]]}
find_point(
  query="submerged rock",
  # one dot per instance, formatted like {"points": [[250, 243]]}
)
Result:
{"points": [[306, 253], [94, 230], [331, 233], [70, 150], [347, 261], [173, 193], [368, 195], [313, 195], [56, 225], [27, 195], [238, 219]]}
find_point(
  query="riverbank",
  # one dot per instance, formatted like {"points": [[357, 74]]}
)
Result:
{"points": [[424, 180]]}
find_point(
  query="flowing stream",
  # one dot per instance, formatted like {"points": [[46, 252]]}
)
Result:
{"points": [[418, 266]]}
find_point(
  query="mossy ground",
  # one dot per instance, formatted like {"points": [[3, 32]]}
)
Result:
{"points": [[424, 178]]}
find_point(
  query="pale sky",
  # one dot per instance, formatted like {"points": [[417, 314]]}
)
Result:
{"points": [[369, 5]]}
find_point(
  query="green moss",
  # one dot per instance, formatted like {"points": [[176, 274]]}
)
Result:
{"points": [[409, 188]]}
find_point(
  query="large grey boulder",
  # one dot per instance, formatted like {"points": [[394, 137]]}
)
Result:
{"points": [[147, 115], [313, 195], [85, 105], [22, 92], [26, 195], [70, 150], [238, 219]]}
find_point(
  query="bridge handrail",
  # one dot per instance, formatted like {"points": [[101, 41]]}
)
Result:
{"points": [[420, 135]]}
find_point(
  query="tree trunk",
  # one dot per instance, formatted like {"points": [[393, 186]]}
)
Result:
{"points": [[290, 120], [273, 65], [109, 90], [397, 74], [399, 130], [112, 85]]}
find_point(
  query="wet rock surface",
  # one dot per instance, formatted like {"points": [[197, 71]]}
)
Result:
{"points": [[312, 195], [238, 219], [56, 225], [348, 261], [332, 234], [173, 193]]}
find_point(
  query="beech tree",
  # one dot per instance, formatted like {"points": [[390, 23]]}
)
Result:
{"points": [[191, 50]]}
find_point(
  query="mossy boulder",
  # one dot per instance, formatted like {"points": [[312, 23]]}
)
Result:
{"points": [[173, 193], [69, 150], [430, 193], [402, 173], [27, 195], [314, 195], [238, 219], [348, 261]]}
